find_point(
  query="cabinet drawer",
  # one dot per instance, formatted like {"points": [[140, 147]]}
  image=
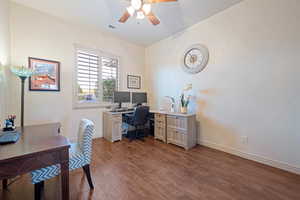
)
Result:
{"points": [[117, 118], [177, 122], [116, 130], [160, 133], [177, 137], [160, 117], [160, 124]]}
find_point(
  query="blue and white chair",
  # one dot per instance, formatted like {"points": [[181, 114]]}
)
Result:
{"points": [[79, 156]]}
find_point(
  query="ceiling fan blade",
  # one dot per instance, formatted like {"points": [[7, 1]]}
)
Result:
{"points": [[153, 19], [125, 17], [159, 1]]}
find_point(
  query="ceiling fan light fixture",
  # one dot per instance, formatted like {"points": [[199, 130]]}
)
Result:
{"points": [[136, 4], [140, 15], [147, 8], [130, 10]]}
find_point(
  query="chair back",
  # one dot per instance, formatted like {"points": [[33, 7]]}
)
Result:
{"points": [[141, 115], [85, 135]]}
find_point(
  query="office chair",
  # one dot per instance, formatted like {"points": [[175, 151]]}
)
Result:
{"points": [[136, 123], [79, 156]]}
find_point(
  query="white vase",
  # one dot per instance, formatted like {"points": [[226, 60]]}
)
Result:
{"points": [[183, 109]]}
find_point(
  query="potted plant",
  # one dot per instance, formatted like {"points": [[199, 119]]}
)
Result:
{"points": [[185, 100]]}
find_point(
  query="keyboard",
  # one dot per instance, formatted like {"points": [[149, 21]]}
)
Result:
{"points": [[123, 110], [9, 137]]}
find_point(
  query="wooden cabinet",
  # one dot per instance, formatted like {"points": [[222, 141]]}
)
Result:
{"points": [[177, 122], [160, 127], [181, 130], [178, 129], [112, 126], [177, 137]]}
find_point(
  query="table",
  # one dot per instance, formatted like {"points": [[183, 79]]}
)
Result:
{"points": [[39, 146]]}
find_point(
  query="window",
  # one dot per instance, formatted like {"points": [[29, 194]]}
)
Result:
{"points": [[96, 78], [109, 77]]}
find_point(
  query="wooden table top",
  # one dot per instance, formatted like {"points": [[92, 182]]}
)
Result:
{"points": [[34, 139]]}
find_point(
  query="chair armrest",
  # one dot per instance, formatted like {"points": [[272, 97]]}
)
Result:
{"points": [[129, 115], [128, 118]]}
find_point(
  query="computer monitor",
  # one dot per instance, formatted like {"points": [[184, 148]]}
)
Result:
{"points": [[139, 97], [121, 97]]}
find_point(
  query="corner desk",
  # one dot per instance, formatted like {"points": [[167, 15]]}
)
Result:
{"points": [[172, 128]]}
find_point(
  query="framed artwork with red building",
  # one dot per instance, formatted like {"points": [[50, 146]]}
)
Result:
{"points": [[46, 75]]}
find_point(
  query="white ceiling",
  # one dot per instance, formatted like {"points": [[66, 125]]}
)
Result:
{"points": [[174, 16]]}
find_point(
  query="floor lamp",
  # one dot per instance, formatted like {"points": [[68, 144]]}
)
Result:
{"points": [[23, 73]]}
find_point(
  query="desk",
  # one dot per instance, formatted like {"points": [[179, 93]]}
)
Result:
{"points": [[39, 146], [170, 127]]}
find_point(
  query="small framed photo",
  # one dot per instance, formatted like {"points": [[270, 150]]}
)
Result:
{"points": [[133, 82], [46, 76]]}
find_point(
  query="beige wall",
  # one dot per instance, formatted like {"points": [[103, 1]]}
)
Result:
{"points": [[250, 87], [4, 56], [39, 35]]}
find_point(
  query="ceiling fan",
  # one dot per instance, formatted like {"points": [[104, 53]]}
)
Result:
{"points": [[142, 9]]}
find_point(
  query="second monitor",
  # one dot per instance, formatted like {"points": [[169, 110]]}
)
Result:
{"points": [[121, 97], [139, 97]]}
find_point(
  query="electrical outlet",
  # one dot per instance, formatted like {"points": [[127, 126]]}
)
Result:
{"points": [[244, 139]]}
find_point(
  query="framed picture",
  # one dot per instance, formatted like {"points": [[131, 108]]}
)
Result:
{"points": [[133, 82], [47, 75]]}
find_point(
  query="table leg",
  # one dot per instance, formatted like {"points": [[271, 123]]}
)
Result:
{"points": [[65, 175], [4, 184]]}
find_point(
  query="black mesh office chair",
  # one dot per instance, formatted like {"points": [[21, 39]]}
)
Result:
{"points": [[135, 124]]}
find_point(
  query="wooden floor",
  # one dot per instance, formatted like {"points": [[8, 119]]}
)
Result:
{"points": [[153, 170]]}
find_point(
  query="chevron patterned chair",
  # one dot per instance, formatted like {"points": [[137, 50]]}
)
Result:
{"points": [[79, 156]]}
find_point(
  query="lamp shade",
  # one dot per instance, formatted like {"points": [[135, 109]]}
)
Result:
{"points": [[22, 71]]}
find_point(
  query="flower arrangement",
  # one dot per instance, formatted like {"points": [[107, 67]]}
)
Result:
{"points": [[185, 99]]}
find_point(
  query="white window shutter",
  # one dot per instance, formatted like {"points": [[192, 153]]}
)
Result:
{"points": [[88, 74], [96, 78]]}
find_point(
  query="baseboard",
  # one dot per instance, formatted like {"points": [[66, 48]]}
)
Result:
{"points": [[254, 157]]}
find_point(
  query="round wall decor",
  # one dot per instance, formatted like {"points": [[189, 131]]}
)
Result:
{"points": [[195, 59]]}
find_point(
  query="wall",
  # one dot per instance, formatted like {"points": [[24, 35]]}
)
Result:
{"points": [[4, 55], [36, 34], [250, 87]]}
